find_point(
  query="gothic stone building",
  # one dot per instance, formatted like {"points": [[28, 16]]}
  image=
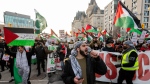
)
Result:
{"points": [[93, 16]]}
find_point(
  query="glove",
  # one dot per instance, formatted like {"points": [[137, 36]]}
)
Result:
{"points": [[118, 65]]}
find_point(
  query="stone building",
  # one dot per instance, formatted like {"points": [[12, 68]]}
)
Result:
{"points": [[93, 16]]}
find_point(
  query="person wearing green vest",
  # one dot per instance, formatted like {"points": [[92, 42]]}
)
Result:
{"points": [[129, 63]]}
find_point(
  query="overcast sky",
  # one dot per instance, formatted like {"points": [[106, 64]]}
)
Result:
{"points": [[58, 13]]}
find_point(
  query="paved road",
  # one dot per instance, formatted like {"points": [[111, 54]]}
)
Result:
{"points": [[43, 79]]}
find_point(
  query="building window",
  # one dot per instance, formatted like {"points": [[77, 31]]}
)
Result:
{"points": [[146, 19], [146, 6], [146, 25], [147, 1], [146, 13]]}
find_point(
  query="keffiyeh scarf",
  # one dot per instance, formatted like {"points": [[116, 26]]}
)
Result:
{"points": [[21, 59], [75, 65]]}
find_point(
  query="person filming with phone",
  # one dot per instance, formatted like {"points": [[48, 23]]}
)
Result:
{"points": [[82, 65]]}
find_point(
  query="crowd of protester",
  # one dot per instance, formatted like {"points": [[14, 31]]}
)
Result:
{"points": [[40, 49]]}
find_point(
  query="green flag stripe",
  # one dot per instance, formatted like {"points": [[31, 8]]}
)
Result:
{"points": [[21, 43], [17, 77], [135, 30], [125, 22]]}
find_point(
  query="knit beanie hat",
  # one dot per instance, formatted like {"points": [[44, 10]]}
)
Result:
{"points": [[129, 43]]}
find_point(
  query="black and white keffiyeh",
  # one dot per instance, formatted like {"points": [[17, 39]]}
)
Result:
{"points": [[75, 65], [21, 59]]}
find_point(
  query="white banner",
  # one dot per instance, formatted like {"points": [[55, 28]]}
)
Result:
{"points": [[142, 75]]}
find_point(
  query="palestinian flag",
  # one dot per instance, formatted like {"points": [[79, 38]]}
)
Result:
{"points": [[83, 30], [93, 30], [126, 19], [17, 77], [19, 36], [101, 38], [89, 38], [55, 37], [88, 27], [104, 32]]}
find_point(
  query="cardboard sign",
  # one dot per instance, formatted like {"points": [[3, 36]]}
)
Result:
{"points": [[134, 38]]}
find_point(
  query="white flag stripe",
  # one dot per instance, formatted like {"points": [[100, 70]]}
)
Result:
{"points": [[23, 36]]}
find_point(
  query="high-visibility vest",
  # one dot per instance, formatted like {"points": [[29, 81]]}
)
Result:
{"points": [[125, 59]]}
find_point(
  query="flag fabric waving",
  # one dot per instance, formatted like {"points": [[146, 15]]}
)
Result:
{"points": [[83, 30], [125, 18], [40, 22], [93, 30], [104, 32], [19, 36], [17, 77], [88, 27], [89, 38], [55, 37], [79, 31]]}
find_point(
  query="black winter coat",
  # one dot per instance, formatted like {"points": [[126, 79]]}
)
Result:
{"points": [[61, 55], [93, 65], [28, 54]]}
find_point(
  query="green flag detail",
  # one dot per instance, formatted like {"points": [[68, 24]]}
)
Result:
{"points": [[40, 22], [17, 77], [52, 61], [55, 37]]}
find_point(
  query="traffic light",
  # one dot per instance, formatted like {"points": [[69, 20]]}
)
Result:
{"points": [[143, 26]]}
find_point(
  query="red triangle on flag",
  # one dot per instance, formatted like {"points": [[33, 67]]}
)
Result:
{"points": [[83, 30], [99, 34], [128, 29], [146, 35], [9, 36], [88, 27], [119, 35], [104, 32]]}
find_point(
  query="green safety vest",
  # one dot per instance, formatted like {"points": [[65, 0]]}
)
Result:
{"points": [[125, 59]]}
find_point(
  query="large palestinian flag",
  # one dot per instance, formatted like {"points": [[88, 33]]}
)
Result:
{"points": [[19, 36], [126, 19]]}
